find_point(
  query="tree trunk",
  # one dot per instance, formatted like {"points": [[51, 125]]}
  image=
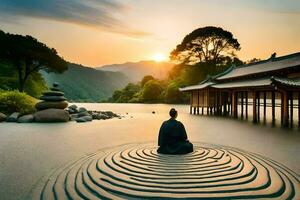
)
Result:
{"points": [[21, 82]]}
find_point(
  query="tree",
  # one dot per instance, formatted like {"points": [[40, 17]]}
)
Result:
{"points": [[126, 94], [173, 95], [28, 56], [146, 79], [209, 44], [152, 91]]}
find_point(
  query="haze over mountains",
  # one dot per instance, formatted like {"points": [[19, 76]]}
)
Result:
{"points": [[86, 84], [135, 71]]}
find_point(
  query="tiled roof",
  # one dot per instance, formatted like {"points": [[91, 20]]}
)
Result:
{"points": [[246, 83], [286, 81], [263, 66], [197, 87]]}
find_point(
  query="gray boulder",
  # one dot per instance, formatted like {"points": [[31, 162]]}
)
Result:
{"points": [[110, 114], [26, 119], [2, 117], [74, 115], [51, 115], [84, 119], [102, 116], [13, 117], [81, 109], [81, 114], [74, 107], [43, 105]]}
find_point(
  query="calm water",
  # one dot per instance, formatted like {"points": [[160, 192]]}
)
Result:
{"points": [[30, 151]]}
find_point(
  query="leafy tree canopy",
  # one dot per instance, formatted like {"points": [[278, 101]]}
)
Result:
{"points": [[152, 91], [28, 55], [209, 44], [146, 79]]}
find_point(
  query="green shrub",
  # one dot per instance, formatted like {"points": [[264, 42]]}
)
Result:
{"points": [[14, 101]]}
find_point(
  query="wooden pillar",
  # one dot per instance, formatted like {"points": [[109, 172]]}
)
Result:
{"points": [[215, 102], [246, 104], [299, 109], [225, 100], [258, 106], [242, 104], [265, 105], [273, 107], [285, 109], [194, 110], [230, 104], [234, 104], [254, 96], [198, 102], [281, 107], [292, 108], [202, 110], [191, 102]]}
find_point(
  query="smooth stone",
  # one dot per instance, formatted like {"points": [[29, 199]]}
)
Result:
{"points": [[84, 119], [81, 109], [13, 117], [110, 114], [53, 98], [74, 116], [72, 111], [51, 115], [55, 84], [54, 89], [26, 119], [87, 118], [81, 114], [74, 107], [42, 105], [2, 117], [53, 93], [101, 116]]}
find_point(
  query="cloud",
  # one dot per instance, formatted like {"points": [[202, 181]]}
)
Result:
{"points": [[103, 14]]}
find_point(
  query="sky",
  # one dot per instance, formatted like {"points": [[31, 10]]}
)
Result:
{"points": [[99, 32]]}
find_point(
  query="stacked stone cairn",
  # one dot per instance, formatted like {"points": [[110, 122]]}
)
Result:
{"points": [[51, 108], [52, 99]]}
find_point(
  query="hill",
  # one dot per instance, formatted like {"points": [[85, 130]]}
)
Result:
{"points": [[85, 84], [135, 71]]}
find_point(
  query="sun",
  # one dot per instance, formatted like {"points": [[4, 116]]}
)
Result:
{"points": [[159, 57]]}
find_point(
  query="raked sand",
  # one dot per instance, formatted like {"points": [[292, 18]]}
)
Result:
{"points": [[29, 152]]}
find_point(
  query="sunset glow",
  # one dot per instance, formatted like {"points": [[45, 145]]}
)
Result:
{"points": [[159, 57], [100, 33]]}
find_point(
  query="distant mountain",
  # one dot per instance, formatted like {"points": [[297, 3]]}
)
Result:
{"points": [[85, 84], [137, 70]]}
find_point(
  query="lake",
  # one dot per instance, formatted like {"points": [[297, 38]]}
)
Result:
{"points": [[28, 152]]}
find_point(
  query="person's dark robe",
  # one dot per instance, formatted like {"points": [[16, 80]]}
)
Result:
{"points": [[172, 138]]}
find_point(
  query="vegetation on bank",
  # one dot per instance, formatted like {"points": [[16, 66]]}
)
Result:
{"points": [[204, 52], [35, 84], [26, 56], [15, 101]]}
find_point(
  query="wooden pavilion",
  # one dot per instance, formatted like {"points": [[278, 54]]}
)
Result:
{"points": [[274, 83]]}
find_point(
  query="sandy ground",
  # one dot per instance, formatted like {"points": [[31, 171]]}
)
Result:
{"points": [[28, 152]]}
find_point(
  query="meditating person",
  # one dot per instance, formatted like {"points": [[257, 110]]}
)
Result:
{"points": [[172, 137]]}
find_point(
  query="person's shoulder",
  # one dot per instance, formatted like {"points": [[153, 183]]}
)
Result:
{"points": [[179, 122]]}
